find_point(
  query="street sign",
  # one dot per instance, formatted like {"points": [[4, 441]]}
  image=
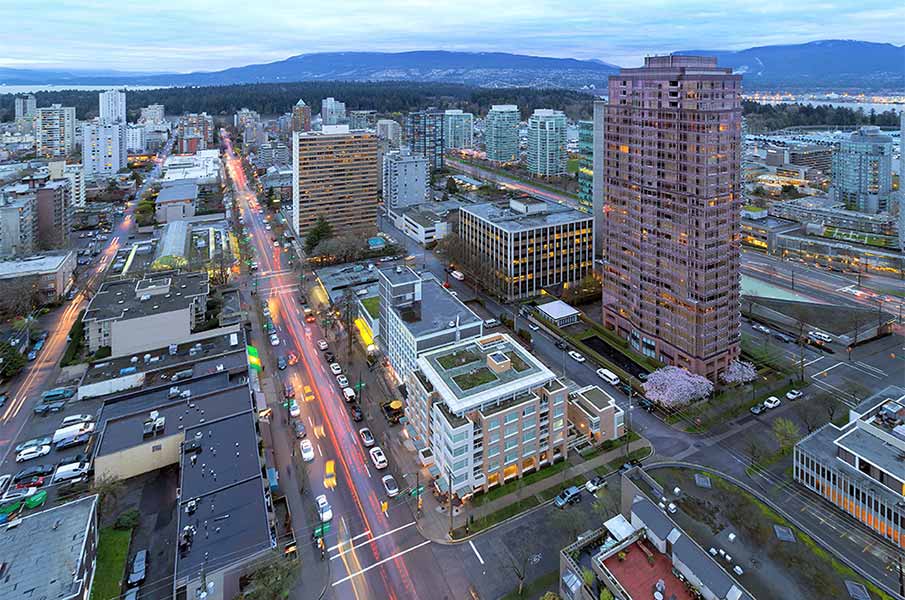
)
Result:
{"points": [[358, 386], [322, 530], [417, 491]]}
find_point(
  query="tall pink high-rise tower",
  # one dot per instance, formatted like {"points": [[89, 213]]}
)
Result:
{"points": [[672, 198]]}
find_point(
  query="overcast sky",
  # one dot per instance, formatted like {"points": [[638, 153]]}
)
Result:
{"points": [[189, 35]]}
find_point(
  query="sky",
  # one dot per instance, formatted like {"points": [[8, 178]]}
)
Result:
{"points": [[206, 35]]}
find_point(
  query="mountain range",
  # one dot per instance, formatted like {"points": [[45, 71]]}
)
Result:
{"points": [[828, 64]]}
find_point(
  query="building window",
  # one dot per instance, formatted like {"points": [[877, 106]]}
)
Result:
{"points": [[511, 418], [493, 424], [511, 457], [529, 410]]}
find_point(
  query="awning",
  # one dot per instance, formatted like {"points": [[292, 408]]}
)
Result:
{"points": [[396, 404], [441, 485], [434, 470]]}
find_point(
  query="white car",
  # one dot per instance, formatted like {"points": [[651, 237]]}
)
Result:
{"points": [[276, 244], [335, 368], [294, 410], [577, 357], [367, 438], [533, 327], [307, 449], [378, 457], [820, 337], [322, 344], [389, 484], [491, 322], [342, 380], [274, 339], [75, 420], [761, 328], [323, 508], [772, 402], [33, 452], [794, 395]]}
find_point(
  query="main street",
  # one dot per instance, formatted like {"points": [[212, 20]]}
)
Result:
{"points": [[370, 554]]}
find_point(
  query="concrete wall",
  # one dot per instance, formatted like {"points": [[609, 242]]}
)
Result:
{"points": [[150, 332], [155, 453]]}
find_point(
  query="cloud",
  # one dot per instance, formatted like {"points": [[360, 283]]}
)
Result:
{"points": [[206, 34]]}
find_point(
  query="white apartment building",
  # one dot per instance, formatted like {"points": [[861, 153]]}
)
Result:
{"points": [[103, 149], [406, 178], [112, 106], [390, 130], [136, 139], [458, 129], [55, 130], [547, 143], [488, 410], [333, 112], [18, 224], [501, 133], [152, 114], [25, 108], [75, 174], [418, 314]]}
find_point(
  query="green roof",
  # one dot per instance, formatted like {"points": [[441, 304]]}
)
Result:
{"points": [[372, 305]]}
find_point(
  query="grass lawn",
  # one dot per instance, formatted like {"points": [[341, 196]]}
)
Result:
{"points": [[517, 363], [608, 445], [480, 376], [498, 516], [372, 305], [552, 492], [457, 359], [508, 488], [536, 588], [639, 454], [112, 552], [572, 165]]}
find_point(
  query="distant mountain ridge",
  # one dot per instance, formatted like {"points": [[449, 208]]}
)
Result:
{"points": [[828, 64]]}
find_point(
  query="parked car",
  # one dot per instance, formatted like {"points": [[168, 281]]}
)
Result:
{"points": [[389, 484], [281, 363], [356, 413], [761, 328], [39, 470], [299, 429], [34, 482], [595, 484], [4, 482], [274, 339], [772, 402], [576, 356], [646, 403], [322, 344], [348, 393], [367, 438], [307, 449], [33, 452], [607, 375], [33, 442], [18, 493], [819, 336], [75, 420], [562, 345], [45, 408], [533, 327], [757, 409], [294, 408], [131, 594], [570, 495], [335, 368], [139, 566], [491, 323], [378, 458], [794, 395], [329, 356], [782, 337], [323, 508]]}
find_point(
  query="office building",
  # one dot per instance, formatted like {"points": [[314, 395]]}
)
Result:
{"points": [[136, 139], [501, 133], [245, 117], [458, 130], [152, 114], [50, 274], [518, 248], [334, 175], [55, 131], [58, 169], [132, 315], [176, 201], [824, 211], [862, 171], [814, 157], [389, 130], [333, 112], [671, 241], [586, 166], [53, 201], [488, 410], [424, 134], [362, 119], [406, 179], [547, 143], [25, 107], [18, 224], [112, 106], [51, 553], [103, 149], [301, 117], [858, 467], [274, 154], [418, 314]]}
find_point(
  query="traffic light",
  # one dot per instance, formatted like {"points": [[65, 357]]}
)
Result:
{"points": [[420, 502]]}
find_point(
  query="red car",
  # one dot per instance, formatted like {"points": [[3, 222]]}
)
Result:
{"points": [[30, 482], [292, 357]]}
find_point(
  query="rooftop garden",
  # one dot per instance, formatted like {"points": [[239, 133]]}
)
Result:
{"points": [[517, 363], [372, 305], [473, 379], [458, 358]]}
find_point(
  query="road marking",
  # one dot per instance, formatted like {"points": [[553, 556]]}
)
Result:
{"points": [[865, 371], [825, 371], [378, 563], [372, 540], [357, 537], [475, 550], [319, 450], [811, 362], [310, 422], [871, 368], [368, 471]]}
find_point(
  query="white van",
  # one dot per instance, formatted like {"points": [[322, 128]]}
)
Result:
{"points": [[71, 431], [349, 394], [820, 337], [457, 275], [70, 471], [608, 376]]}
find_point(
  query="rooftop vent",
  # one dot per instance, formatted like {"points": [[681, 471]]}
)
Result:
{"points": [[145, 297]]}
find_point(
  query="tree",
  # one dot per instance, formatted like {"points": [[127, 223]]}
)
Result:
{"points": [[754, 450], [451, 186], [739, 372], [807, 414], [321, 230], [786, 432], [11, 360], [588, 577], [274, 580], [571, 522], [829, 404], [521, 545], [674, 387], [108, 489], [19, 296], [789, 190]]}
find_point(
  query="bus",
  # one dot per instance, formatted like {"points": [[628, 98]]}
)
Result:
{"points": [[57, 394]]}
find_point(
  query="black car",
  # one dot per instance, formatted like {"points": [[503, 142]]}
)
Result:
{"points": [[356, 413], [562, 345], [72, 441], [78, 458], [758, 409], [303, 299], [299, 429], [329, 356], [281, 363], [782, 337], [45, 408], [646, 404], [139, 566], [34, 471], [3, 400]]}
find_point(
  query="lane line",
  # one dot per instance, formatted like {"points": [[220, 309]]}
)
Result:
{"points": [[825, 371], [865, 371], [367, 470], [871, 368], [319, 450], [377, 564], [475, 550], [811, 362], [372, 540], [357, 537]]}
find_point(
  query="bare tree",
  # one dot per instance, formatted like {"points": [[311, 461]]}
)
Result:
{"points": [[522, 553], [807, 414], [754, 450]]}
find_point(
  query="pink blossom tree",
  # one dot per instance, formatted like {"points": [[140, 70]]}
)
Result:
{"points": [[739, 372], [674, 387]]}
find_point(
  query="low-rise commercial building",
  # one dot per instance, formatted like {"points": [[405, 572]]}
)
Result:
{"points": [[133, 315], [821, 210], [176, 201], [488, 410], [51, 553], [428, 222], [418, 314], [761, 231], [202, 167], [858, 467], [559, 313], [518, 248], [50, 275]]}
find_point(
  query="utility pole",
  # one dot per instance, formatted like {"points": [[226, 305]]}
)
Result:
{"points": [[450, 493], [628, 431]]}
